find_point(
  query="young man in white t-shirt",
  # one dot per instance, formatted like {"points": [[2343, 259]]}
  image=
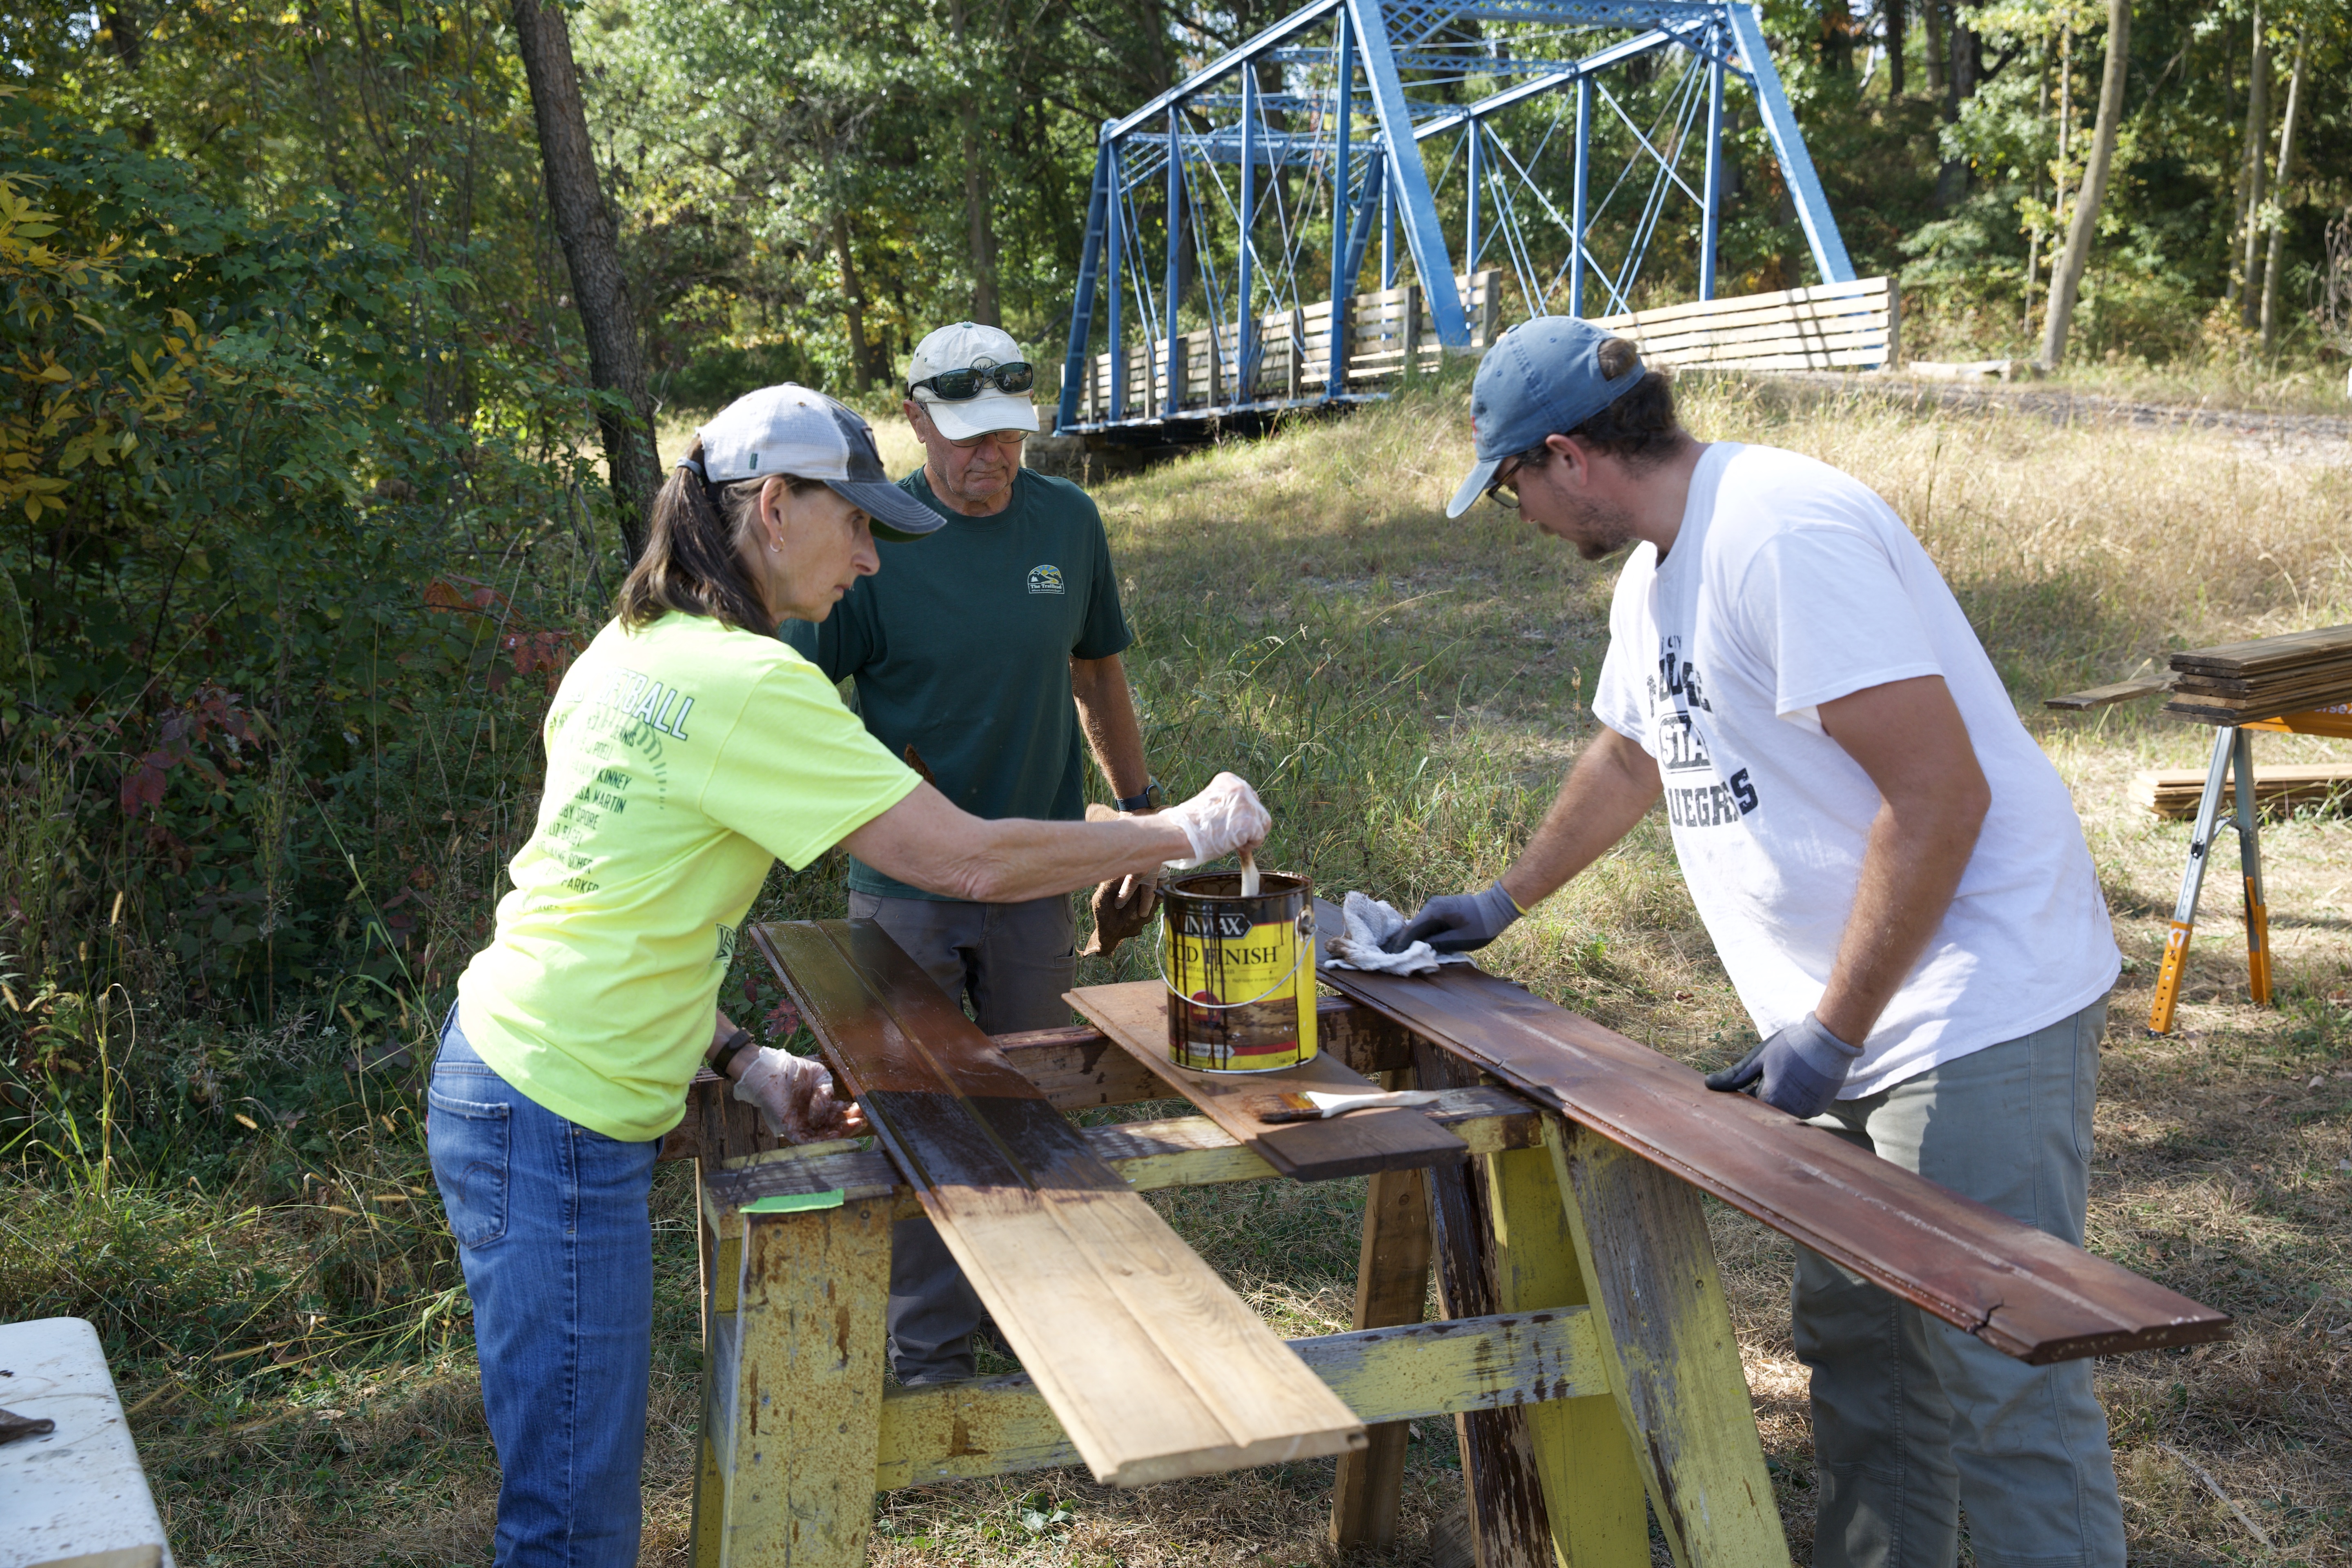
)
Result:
{"points": [[1895, 881]]}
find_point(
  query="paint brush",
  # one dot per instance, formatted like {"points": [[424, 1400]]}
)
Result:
{"points": [[1316, 1105], [1249, 873]]}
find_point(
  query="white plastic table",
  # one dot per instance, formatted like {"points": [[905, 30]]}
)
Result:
{"points": [[75, 1497]]}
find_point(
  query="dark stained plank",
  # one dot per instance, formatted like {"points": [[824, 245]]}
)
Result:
{"points": [[1077, 1068], [1154, 1367], [1135, 1015], [2262, 655], [2022, 1291]]}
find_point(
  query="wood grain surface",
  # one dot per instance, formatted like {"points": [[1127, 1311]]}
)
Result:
{"points": [[2022, 1291], [1135, 1017], [1154, 1367]]}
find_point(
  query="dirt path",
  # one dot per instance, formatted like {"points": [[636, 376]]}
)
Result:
{"points": [[2296, 438]]}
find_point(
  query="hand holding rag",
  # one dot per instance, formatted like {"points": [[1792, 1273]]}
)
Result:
{"points": [[1370, 923], [1222, 818], [796, 1098], [1798, 1070], [1460, 922]]}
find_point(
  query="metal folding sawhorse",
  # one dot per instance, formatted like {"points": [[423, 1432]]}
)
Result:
{"points": [[2232, 768]]}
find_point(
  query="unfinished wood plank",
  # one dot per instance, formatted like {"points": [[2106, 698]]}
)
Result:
{"points": [[996, 1425], [1641, 1240], [1508, 1520], [2175, 792], [1391, 1289], [2022, 1291], [1153, 1366], [1584, 1449], [1135, 1015], [2101, 696], [801, 1378]]}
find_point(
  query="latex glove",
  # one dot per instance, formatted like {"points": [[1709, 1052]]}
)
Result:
{"points": [[796, 1098], [1799, 1069], [1458, 922], [1222, 818]]}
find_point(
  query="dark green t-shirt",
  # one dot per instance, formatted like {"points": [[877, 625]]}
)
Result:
{"points": [[961, 648]]}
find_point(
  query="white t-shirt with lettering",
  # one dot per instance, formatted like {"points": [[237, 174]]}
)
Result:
{"points": [[1790, 585]]}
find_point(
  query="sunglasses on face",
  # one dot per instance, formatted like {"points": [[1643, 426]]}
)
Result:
{"points": [[956, 386], [1003, 438], [1504, 492]]}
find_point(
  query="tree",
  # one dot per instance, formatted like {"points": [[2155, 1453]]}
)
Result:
{"points": [[600, 290], [2277, 224], [2067, 281]]}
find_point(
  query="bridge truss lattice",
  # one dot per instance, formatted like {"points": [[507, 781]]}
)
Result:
{"points": [[1558, 146]]}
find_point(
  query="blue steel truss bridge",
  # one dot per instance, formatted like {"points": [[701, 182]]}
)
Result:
{"points": [[1485, 163]]}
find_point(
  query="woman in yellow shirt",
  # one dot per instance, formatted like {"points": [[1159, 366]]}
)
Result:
{"points": [[688, 750]]}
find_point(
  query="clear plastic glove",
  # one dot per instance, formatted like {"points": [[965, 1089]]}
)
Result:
{"points": [[796, 1098], [1220, 819], [1458, 922], [1799, 1069]]}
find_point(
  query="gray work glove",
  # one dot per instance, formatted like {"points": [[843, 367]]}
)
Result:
{"points": [[1458, 922], [1799, 1069]]}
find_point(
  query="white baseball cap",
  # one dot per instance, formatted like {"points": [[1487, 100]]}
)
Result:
{"points": [[790, 429], [968, 345]]}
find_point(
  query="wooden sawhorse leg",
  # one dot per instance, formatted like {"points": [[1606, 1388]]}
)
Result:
{"points": [[2233, 760], [792, 1388]]}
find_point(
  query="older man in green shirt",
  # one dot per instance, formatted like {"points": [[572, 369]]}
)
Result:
{"points": [[992, 658]]}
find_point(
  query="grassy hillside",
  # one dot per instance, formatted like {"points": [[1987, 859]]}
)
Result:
{"points": [[1407, 692]]}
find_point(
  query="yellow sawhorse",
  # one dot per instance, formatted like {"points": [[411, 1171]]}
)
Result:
{"points": [[2233, 760], [1609, 1342]]}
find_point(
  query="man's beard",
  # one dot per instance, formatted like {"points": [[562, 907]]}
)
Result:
{"points": [[1598, 531]]}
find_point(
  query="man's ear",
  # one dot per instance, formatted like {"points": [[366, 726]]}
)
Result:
{"points": [[914, 412], [1567, 451]]}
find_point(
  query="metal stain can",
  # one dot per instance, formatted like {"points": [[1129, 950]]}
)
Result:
{"points": [[1240, 971]]}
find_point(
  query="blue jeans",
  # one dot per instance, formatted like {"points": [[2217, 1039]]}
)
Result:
{"points": [[556, 1239], [1915, 1420]]}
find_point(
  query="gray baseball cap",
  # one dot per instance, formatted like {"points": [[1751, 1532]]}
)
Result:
{"points": [[1541, 378], [790, 429]]}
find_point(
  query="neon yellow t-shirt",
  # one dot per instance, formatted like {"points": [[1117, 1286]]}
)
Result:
{"points": [[683, 759]]}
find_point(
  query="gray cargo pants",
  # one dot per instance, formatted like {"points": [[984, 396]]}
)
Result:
{"points": [[1913, 1419], [1014, 961]]}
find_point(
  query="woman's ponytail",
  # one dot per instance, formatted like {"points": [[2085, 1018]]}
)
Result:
{"points": [[693, 562]]}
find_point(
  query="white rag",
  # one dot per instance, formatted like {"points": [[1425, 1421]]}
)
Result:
{"points": [[1369, 922]]}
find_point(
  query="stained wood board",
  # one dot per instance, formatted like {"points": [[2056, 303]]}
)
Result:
{"points": [[2261, 656], [2100, 696], [1135, 1017], [1152, 1364], [2018, 1288]]}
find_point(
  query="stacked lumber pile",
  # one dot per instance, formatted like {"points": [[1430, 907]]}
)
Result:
{"points": [[2174, 792], [2240, 681]]}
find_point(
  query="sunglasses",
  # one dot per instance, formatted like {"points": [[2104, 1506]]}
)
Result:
{"points": [[1504, 491], [956, 386]]}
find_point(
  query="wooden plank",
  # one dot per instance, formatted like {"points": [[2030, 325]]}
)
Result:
{"points": [[1135, 1015], [800, 1377], [1178, 1152], [1077, 1068], [2018, 1288], [1584, 1449], [1391, 1289], [2257, 656], [1669, 1349], [995, 1425], [1833, 294], [2100, 696], [1156, 1369], [1508, 1520], [2175, 792]]}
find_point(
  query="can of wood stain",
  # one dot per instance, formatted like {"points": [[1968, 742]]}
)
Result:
{"points": [[1240, 971]]}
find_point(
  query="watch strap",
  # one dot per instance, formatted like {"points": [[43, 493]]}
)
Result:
{"points": [[729, 1048], [1147, 800]]}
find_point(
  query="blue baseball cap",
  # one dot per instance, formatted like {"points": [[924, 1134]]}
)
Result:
{"points": [[1541, 378]]}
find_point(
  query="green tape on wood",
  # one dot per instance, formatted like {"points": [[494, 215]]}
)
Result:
{"points": [[795, 1203]]}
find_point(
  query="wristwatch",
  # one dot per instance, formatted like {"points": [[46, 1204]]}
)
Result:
{"points": [[729, 1049], [1149, 800]]}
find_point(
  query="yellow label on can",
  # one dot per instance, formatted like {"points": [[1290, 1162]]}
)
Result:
{"points": [[1237, 991]]}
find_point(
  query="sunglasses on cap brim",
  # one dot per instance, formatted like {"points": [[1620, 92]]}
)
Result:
{"points": [[956, 385]]}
